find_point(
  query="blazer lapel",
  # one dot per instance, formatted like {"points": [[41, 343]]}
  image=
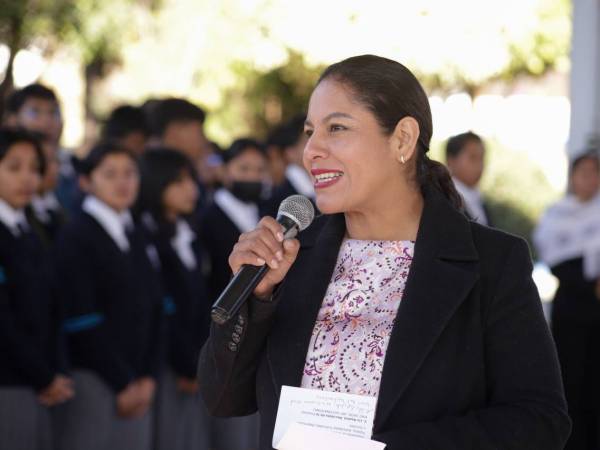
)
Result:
{"points": [[435, 288], [298, 312]]}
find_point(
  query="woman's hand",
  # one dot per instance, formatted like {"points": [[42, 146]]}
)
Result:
{"points": [[597, 290], [265, 245], [58, 391]]}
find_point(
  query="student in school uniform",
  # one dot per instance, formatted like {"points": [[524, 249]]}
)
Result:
{"points": [[234, 211], [167, 198], [127, 125], [109, 283], [567, 240], [30, 378], [235, 207], [465, 160], [37, 109], [287, 142], [45, 213]]}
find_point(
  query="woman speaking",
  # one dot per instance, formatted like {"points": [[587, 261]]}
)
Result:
{"points": [[392, 293]]}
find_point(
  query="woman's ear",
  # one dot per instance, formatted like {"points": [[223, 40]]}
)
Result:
{"points": [[404, 139]]}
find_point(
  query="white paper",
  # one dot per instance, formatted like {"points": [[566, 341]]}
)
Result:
{"points": [[336, 414], [304, 437]]}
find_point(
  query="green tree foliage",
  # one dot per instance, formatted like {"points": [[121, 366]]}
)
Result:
{"points": [[22, 22], [266, 98], [92, 29]]}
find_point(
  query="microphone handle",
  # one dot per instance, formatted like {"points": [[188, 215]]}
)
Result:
{"points": [[239, 288], [245, 280]]}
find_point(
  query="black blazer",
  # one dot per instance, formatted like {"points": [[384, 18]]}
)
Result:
{"points": [[218, 235], [47, 232], [187, 305], [113, 302], [30, 343], [470, 362]]}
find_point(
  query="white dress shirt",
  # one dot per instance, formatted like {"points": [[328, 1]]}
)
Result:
{"points": [[473, 201], [243, 215], [12, 218], [42, 205], [113, 222], [182, 244]]}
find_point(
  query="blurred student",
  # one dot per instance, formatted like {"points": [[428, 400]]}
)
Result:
{"points": [[30, 378], [35, 108], [108, 280], [45, 212], [568, 240], [234, 211], [177, 124], [127, 126], [168, 196], [277, 140], [210, 171], [465, 160], [289, 140]]}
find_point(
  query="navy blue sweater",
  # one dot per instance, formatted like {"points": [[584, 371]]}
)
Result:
{"points": [[29, 318], [112, 301], [187, 304]]}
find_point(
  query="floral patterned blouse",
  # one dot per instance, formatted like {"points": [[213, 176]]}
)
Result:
{"points": [[350, 337]]}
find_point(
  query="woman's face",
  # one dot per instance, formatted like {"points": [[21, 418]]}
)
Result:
{"points": [[115, 181], [347, 153], [585, 179], [180, 196], [19, 175]]}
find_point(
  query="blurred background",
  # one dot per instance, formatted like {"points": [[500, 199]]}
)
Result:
{"points": [[500, 69]]}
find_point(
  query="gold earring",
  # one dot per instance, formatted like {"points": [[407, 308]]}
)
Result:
{"points": [[402, 160]]}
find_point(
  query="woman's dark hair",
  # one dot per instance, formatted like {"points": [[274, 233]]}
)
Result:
{"points": [[12, 136], [456, 144], [240, 146], [391, 92], [99, 152], [124, 120], [159, 168]]}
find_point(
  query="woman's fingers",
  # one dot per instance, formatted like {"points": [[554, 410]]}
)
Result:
{"points": [[291, 248], [273, 226], [257, 250], [265, 245]]}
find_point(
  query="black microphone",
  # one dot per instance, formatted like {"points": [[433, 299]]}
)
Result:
{"points": [[295, 214]]}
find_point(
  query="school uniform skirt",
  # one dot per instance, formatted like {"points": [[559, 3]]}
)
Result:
{"points": [[89, 421], [24, 423], [182, 421]]}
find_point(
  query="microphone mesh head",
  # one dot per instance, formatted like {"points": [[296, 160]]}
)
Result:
{"points": [[299, 208]]}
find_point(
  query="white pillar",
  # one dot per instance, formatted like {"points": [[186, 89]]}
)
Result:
{"points": [[585, 75]]}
